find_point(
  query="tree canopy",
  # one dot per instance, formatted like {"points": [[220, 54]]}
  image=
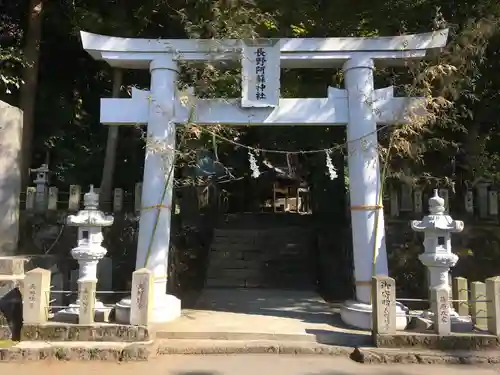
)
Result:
{"points": [[46, 72]]}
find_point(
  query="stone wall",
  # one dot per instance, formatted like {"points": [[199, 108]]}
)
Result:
{"points": [[11, 127], [47, 242], [306, 247]]}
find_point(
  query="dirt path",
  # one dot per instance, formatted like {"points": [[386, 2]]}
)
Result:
{"points": [[239, 365]]}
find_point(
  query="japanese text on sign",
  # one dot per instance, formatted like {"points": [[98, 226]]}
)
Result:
{"points": [[386, 293], [260, 73]]}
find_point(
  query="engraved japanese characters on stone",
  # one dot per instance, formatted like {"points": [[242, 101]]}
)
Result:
{"points": [[140, 295], [85, 300], [32, 295], [386, 294], [444, 310]]}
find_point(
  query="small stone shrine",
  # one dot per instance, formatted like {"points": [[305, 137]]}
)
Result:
{"points": [[42, 187], [89, 251], [438, 256]]}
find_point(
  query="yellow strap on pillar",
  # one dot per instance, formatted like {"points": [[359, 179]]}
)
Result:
{"points": [[363, 283], [155, 206], [366, 207]]}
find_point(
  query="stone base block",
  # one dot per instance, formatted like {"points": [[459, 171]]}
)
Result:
{"points": [[423, 321], [78, 332], [166, 309], [460, 341], [77, 351], [359, 315], [462, 324]]}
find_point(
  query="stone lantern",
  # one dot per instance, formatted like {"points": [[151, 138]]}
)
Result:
{"points": [[89, 251], [437, 228], [438, 256], [42, 182]]}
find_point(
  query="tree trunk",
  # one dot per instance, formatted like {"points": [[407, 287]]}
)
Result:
{"points": [[474, 146], [29, 88], [108, 170], [468, 164]]}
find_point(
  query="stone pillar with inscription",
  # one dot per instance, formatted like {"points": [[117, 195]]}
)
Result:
{"points": [[142, 301], [36, 296], [86, 301], [441, 309], [384, 305], [88, 253], [438, 256]]}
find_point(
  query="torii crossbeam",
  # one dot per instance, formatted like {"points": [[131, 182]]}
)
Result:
{"points": [[331, 110]]}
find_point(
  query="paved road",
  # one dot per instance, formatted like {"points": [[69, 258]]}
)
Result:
{"points": [[239, 365]]}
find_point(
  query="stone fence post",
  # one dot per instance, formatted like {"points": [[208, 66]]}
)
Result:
{"points": [[86, 296], [440, 306], [383, 305], [493, 309], [461, 292], [11, 274], [141, 304], [479, 310], [36, 296]]}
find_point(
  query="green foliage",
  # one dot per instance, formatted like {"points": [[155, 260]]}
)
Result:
{"points": [[11, 60], [70, 84], [458, 147]]}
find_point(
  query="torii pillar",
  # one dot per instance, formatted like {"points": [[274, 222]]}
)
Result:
{"points": [[153, 243], [368, 237]]}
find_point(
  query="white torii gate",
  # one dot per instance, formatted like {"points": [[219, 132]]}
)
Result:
{"points": [[359, 106]]}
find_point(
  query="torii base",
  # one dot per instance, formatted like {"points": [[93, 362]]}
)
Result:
{"points": [[359, 315], [166, 308]]}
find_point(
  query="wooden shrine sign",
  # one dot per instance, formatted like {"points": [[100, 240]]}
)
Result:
{"points": [[260, 73]]}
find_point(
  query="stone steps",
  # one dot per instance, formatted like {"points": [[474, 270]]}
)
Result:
{"points": [[262, 220], [276, 257]]}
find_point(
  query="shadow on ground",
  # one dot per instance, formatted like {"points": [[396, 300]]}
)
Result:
{"points": [[320, 318]]}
